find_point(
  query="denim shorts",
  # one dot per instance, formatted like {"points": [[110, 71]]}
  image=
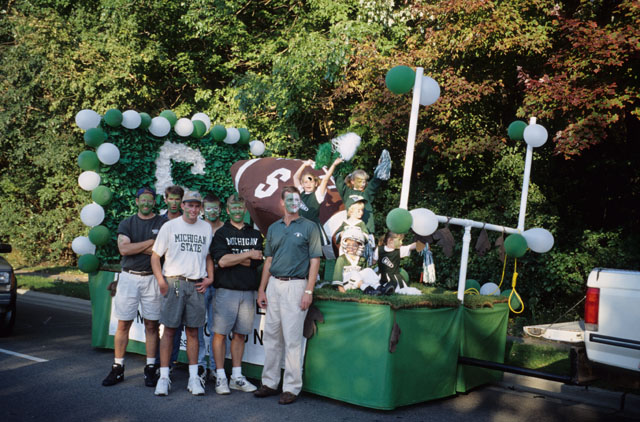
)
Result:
{"points": [[234, 311], [182, 305]]}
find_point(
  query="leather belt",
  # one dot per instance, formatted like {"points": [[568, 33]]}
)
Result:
{"points": [[179, 277], [287, 278], [142, 273]]}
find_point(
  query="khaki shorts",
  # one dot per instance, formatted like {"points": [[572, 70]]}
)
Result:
{"points": [[134, 290], [182, 305]]}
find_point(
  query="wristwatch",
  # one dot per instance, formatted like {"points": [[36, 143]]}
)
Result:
{"points": [[309, 292]]}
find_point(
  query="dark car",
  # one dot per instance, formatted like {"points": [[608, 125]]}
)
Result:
{"points": [[8, 292]]}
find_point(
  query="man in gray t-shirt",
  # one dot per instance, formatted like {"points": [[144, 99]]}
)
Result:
{"points": [[292, 252]]}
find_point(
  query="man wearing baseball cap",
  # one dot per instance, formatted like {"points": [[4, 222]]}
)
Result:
{"points": [[137, 286], [187, 272]]}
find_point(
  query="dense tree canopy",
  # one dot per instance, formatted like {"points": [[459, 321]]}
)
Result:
{"points": [[299, 73]]}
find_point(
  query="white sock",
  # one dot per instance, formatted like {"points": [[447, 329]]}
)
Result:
{"points": [[220, 374], [119, 361], [164, 372], [193, 370], [151, 361], [236, 372]]}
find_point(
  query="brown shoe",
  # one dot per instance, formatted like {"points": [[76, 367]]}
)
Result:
{"points": [[265, 391], [287, 398]]}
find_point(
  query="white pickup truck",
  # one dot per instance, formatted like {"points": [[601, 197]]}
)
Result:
{"points": [[611, 327]]}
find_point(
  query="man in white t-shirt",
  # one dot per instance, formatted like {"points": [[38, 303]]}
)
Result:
{"points": [[187, 272]]}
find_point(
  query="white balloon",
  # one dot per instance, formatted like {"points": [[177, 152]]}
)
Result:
{"points": [[203, 118], [87, 119], [257, 148], [539, 240], [89, 180], [425, 221], [429, 92], [92, 214], [535, 135], [233, 136], [108, 153], [183, 127], [81, 245], [131, 119], [159, 126], [489, 289]]}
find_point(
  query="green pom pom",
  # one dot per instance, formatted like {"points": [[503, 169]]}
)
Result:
{"points": [[113, 117], [400, 79], [244, 136], [399, 220], [472, 284], [145, 121], [99, 235], [404, 274], [94, 137], [88, 160], [324, 156], [88, 263], [515, 245], [101, 195], [218, 132], [199, 128], [516, 130], [170, 116]]}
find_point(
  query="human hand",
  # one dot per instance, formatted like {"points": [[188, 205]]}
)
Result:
{"points": [[255, 254], [262, 300], [306, 301], [309, 163], [338, 161], [201, 287], [164, 286]]}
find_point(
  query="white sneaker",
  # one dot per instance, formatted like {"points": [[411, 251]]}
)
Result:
{"points": [[222, 386], [196, 386], [163, 386], [242, 384]]}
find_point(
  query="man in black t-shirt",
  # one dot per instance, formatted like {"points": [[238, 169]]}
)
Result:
{"points": [[137, 286]]}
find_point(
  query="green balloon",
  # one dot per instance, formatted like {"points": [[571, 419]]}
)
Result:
{"points": [[88, 160], [88, 263], [101, 195], [94, 137], [99, 235], [399, 220], [404, 274], [145, 121], [170, 116], [514, 301], [199, 128], [400, 79], [218, 132], [472, 284], [515, 245], [113, 117], [516, 130], [244, 136]]}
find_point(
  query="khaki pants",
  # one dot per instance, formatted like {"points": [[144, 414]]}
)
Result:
{"points": [[283, 328]]}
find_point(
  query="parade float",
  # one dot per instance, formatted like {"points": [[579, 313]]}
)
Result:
{"points": [[379, 352]]}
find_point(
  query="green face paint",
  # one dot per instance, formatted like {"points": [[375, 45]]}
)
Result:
{"points": [[145, 203], [236, 212], [211, 211], [292, 202], [173, 202], [359, 183]]}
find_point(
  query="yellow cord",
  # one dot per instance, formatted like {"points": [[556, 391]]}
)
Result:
{"points": [[472, 291], [513, 288]]}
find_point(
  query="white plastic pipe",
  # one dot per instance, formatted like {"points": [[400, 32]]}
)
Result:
{"points": [[525, 182], [411, 139], [475, 224], [464, 259]]}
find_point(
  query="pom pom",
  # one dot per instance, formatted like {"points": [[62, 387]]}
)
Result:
{"points": [[346, 145]]}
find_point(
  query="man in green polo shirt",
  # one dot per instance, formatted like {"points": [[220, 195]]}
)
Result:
{"points": [[292, 253]]}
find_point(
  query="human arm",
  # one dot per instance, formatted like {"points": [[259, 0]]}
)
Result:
{"points": [[262, 296], [126, 247], [406, 250], [156, 267], [208, 280], [307, 298], [322, 187], [338, 269], [296, 177], [244, 258]]}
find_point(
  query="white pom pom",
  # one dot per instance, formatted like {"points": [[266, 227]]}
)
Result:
{"points": [[346, 145]]}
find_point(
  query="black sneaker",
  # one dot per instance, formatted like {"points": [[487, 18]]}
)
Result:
{"points": [[151, 375], [115, 376]]}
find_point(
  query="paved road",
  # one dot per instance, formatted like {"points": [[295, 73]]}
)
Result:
{"points": [[66, 387]]}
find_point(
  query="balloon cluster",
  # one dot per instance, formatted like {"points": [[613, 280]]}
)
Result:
{"points": [[401, 79], [106, 153], [421, 220]]}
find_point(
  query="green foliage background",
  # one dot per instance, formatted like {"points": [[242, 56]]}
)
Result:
{"points": [[297, 74]]}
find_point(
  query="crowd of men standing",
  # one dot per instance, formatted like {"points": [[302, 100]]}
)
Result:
{"points": [[182, 270]]}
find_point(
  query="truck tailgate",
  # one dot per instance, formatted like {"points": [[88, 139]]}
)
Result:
{"points": [[616, 341]]}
